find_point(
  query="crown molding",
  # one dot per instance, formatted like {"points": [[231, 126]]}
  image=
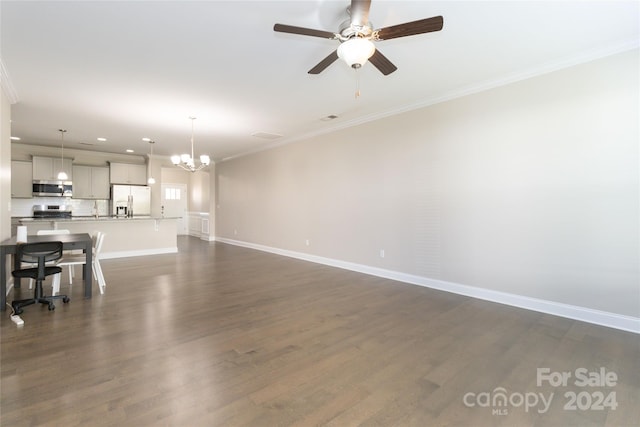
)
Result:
{"points": [[584, 57], [7, 86]]}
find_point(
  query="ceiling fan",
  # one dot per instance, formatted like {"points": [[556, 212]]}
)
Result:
{"points": [[356, 37]]}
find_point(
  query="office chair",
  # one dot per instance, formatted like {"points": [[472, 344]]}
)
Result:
{"points": [[40, 253], [64, 253], [47, 233]]}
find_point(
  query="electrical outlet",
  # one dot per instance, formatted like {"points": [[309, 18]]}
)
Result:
{"points": [[235, 232], [307, 242], [381, 253]]}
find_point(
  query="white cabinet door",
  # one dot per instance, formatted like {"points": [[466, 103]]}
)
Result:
{"points": [[47, 168], [42, 168], [100, 183], [118, 173], [124, 173], [21, 179], [82, 184], [90, 182], [138, 174]]}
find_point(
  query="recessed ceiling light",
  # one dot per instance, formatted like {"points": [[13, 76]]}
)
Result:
{"points": [[129, 150], [101, 139], [329, 118], [15, 138]]}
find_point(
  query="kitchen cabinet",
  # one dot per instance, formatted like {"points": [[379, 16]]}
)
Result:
{"points": [[47, 168], [91, 182], [125, 173], [21, 179]]}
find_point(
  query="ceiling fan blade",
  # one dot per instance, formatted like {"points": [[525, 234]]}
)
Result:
{"points": [[411, 28], [381, 62], [360, 12], [281, 28], [333, 56]]}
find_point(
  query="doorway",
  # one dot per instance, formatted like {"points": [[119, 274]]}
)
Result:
{"points": [[174, 205]]}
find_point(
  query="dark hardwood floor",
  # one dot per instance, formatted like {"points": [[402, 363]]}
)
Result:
{"points": [[219, 335]]}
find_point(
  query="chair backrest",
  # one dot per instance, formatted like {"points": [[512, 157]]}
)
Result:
{"points": [[94, 239], [98, 248], [49, 232], [40, 253]]}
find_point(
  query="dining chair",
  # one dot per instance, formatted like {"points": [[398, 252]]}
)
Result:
{"points": [[98, 239]]}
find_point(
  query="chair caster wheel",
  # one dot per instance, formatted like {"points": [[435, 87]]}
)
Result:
{"points": [[52, 307], [65, 300]]}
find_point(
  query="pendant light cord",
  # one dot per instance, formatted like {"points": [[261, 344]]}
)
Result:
{"points": [[62, 131], [62, 145], [192, 155]]}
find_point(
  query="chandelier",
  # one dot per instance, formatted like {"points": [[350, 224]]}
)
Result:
{"points": [[186, 161]]}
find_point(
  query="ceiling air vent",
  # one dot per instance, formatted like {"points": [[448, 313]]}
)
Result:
{"points": [[266, 135]]}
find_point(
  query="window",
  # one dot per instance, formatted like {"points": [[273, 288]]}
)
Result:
{"points": [[171, 193]]}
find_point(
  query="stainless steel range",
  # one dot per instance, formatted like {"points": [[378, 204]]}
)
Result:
{"points": [[51, 211]]}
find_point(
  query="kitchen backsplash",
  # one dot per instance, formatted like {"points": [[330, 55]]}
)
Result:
{"points": [[79, 207]]}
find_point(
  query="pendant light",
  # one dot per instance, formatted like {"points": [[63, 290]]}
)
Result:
{"points": [[186, 161], [62, 175], [151, 179]]}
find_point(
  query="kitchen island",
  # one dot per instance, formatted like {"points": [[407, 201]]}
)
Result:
{"points": [[125, 236]]}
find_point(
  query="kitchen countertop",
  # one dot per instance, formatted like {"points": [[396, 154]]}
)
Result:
{"points": [[93, 218], [126, 237]]}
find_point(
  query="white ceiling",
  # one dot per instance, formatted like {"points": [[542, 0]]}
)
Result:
{"points": [[132, 69]]}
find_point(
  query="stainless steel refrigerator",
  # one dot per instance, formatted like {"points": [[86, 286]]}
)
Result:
{"points": [[130, 200]]}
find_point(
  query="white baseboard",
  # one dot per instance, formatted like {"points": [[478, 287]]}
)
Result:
{"points": [[126, 254], [602, 318]]}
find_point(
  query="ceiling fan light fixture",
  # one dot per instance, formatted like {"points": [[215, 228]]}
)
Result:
{"points": [[356, 51]]}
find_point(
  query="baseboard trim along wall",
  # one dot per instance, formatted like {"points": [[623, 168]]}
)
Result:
{"points": [[602, 318], [124, 254]]}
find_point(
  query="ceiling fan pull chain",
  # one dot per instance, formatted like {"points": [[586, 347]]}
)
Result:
{"points": [[357, 84]]}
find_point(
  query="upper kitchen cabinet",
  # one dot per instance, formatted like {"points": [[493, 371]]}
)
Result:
{"points": [[47, 168], [21, 179], [90, 182], [125, 173]]}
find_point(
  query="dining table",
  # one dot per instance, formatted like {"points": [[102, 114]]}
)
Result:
{"points": [[74, 241]]}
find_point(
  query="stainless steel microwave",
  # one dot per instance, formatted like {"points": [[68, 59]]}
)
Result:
{"points": [[52, 188]]}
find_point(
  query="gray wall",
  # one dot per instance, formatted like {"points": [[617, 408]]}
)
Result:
{"points": [[529, 189]]}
